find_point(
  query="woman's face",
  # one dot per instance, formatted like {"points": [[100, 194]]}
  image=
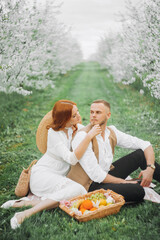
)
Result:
{"points": [[75, 118]]}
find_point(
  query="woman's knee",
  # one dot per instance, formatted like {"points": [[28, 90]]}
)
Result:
{"points": [[82, 189], [78, 189]]}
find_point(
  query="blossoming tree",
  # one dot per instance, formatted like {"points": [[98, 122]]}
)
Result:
{"points": [[135, 53], [33, 44]]}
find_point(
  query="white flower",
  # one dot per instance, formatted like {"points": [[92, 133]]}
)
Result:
{"points": [[76, 211], [110, 200], [141, 91], [96, 204]]}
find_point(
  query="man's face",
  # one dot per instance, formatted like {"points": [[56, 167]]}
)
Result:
{"points": [[99, 114]]}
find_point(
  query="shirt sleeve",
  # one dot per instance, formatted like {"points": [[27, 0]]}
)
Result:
{"points": [[89, 161], [127, 141], [58, 149]]}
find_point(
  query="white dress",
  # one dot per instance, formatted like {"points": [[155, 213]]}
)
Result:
{"points": [[48, 177]]}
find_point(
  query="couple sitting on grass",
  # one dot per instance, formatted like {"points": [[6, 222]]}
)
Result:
{"points": [[62, 173]]}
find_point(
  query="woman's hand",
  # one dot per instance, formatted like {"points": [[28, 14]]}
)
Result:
{"points": [[96, 129]]}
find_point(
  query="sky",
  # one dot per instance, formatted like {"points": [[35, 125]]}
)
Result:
{"points": [[91, 19]]}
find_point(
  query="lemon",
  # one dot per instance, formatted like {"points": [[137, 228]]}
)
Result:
{"points": [[102, 202], [109, 203]]}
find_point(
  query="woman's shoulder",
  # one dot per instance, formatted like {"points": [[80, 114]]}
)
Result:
{"points": [[52, 132], [54, 137]]}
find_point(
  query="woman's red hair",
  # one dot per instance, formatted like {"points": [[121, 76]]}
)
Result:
{"points": [[61, 114]]}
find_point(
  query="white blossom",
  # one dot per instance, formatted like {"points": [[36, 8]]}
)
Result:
{"points": [[34, 46], [141, 91], [135, 53]]}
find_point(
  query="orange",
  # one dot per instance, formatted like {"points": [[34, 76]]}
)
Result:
{"points": [[93, 209], [81, 206], [87, 204], [82, 210]]}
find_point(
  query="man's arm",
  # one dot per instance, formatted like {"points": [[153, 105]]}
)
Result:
{"points": [[110, 179], [127, 141], [147, 174]]}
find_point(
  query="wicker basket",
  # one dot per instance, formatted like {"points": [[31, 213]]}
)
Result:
{"points": [[101, 212]]}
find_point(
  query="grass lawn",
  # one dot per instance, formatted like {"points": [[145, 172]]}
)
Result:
{"points": [[19, 118]]}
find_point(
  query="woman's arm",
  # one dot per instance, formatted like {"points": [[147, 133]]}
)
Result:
{"points": [[57, 147], [82, 147]]}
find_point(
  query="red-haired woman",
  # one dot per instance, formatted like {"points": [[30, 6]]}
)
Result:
{"points": [[48, 177]]}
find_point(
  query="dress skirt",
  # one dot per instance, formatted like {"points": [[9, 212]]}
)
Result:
{"points": [[46, 184]]}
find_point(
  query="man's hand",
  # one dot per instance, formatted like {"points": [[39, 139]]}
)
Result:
{"points": [[147, 176]]}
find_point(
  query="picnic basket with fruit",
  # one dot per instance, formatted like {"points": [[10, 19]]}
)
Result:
{"points": [[96, 204]]}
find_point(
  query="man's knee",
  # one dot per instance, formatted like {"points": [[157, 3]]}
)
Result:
{"points": [[141, 158], [140, 153]]}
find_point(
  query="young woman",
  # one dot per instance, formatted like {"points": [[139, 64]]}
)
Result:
{"points": [[48, 177]]}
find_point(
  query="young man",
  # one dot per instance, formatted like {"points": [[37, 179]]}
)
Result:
{"points": [[96, 163]]}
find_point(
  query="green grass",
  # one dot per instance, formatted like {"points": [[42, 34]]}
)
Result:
{"points": [[19, 117]]}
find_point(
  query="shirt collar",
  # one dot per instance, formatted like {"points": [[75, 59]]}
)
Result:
{"points": [[107, 133]]}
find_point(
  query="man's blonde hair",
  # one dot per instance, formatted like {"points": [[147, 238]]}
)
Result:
{"points": [[107, 104]]}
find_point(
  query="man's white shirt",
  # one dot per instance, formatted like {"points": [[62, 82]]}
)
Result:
{"points": [[98, 172]]}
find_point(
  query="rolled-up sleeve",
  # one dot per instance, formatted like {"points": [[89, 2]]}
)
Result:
{"points": [[127, 141], [89, 161], [66, 154]]}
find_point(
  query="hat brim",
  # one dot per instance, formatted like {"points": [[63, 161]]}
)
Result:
{"points": [[42, 132]]}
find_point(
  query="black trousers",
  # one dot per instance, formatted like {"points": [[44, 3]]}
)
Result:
{"points": [[124, 167]]}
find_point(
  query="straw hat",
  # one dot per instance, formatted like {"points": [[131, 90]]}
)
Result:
{"points": [[42, 132]]}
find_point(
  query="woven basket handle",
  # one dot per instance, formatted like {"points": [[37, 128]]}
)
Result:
{"points": [[32, 163]]}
